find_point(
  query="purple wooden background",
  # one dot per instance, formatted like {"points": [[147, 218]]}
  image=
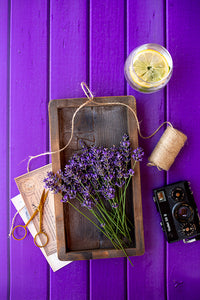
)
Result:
{"points": [[46, 49]]}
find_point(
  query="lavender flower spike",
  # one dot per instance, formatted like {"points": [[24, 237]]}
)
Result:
{"points": [[98, 178], [138, 154]]}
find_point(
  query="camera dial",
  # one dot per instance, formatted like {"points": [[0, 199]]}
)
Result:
{"points": [[177, 194], [188, 229], [183, 212]]}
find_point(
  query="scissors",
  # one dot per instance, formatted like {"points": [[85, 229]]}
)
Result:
{"points": [[39, 209]]}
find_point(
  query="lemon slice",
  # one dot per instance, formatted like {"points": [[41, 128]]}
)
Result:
{"points": [[149, 68]]}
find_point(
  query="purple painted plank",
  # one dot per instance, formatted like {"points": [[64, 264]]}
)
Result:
{"points": [[145, 24], [69, 67], [28, 134], [108, 279], [107, 47], [4, 75], [183, 111], [69, 48], [107, 276]]}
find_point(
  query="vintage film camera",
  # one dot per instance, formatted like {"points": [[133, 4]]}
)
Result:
{"points": [[179, 214]]}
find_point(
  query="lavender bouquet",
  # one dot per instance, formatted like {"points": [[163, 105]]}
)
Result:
{"points": [[99, 178]]}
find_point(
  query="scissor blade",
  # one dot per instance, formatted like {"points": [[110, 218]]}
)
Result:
{"points": [[41, 200], [43, 197]]}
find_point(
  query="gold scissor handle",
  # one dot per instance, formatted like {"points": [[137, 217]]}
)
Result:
{"points": [[37, 235], [25, 232], [24, 226], [40, 210]]}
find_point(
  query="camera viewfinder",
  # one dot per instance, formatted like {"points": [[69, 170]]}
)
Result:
{"points": [[161, 196]]}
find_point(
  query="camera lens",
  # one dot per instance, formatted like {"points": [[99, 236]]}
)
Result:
{"points": [[177, 194], [183, 212]]}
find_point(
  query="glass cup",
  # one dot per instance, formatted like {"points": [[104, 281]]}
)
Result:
{"points": [[148, 68]]}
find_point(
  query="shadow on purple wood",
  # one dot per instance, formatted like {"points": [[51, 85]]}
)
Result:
{"points": [[183, 110], [4, 149], [28, 134]]}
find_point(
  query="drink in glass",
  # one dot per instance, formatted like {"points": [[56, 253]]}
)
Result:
{"points": [[148, 68]]}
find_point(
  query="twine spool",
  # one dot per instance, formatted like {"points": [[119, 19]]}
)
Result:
{"points": [[167, 148]]}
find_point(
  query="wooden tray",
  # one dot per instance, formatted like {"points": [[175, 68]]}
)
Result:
{"points": [[77, 238]]}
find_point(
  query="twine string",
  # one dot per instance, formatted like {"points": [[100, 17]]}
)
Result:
{"points": [[90, 97], [136, 118]]}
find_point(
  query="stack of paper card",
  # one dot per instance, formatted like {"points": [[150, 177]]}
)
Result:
{"points": [[31, 186]]}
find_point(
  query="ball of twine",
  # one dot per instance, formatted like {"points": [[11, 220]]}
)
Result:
{"points": [[167, 148]]}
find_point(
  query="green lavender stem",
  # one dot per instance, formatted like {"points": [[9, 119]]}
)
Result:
{"points": [[114, 244]]}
